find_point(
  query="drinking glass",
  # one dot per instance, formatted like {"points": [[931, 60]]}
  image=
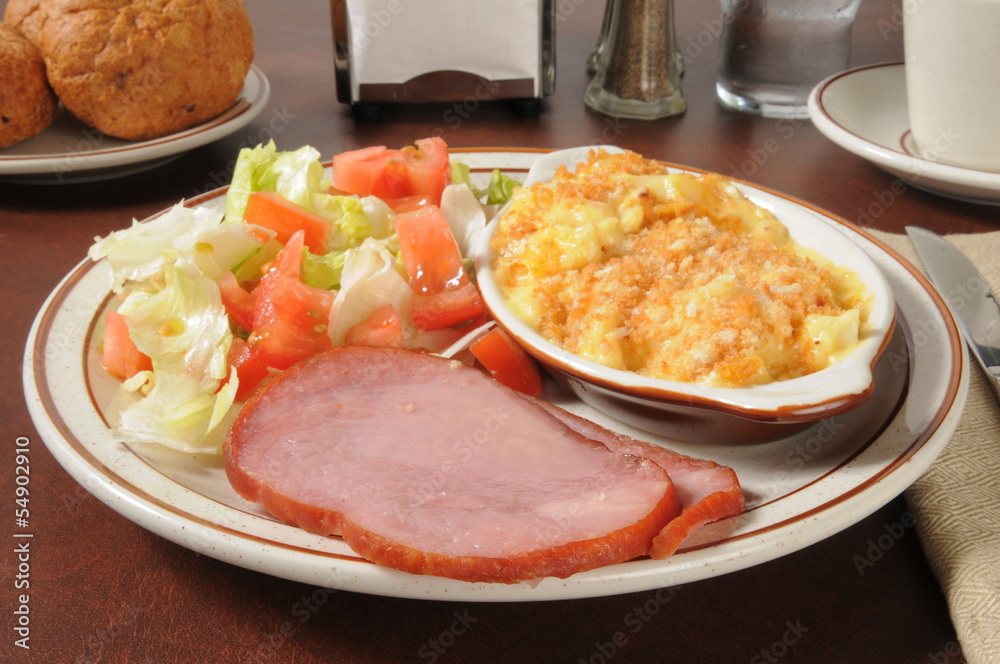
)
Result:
{"points": [[773, 52]]}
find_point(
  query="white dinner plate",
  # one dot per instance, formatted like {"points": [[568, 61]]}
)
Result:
{"points": [[864, 111], [799, 490], [69, 151]]}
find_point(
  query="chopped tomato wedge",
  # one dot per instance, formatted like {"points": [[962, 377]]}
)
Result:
{"points": [[507, 362], [238, 302], [408, 203], [290, 319], [248, 365], [382, 328], [430, 253], [423, 170], [443, 294], [270, 209], [447, 308], [120, 357]]}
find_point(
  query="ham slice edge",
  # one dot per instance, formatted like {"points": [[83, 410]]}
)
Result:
{"points": [[345, 372], [708, 491]]}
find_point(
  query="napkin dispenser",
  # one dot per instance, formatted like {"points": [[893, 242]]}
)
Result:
{"points": [[463, 51]]}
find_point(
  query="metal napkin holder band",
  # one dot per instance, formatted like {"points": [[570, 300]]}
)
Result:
{"points": [[375, 65]]}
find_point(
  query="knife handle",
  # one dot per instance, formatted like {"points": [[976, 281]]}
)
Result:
{"points": [[993, 378]]}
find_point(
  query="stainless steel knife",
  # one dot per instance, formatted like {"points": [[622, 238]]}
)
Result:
{"points": [[968, 296]]}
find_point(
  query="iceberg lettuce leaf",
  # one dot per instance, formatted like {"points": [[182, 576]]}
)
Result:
{"points": [[142, 251], [369, 280], [323, 271], [253, 172], [465, 217], [347, 214], [184, 329], [298, 175], [501, 188]]}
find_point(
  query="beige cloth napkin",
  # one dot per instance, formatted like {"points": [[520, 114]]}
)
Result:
{"points": [[956, 504]]}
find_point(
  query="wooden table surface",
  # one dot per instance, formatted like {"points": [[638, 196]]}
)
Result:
{"points": [[103, 589]]}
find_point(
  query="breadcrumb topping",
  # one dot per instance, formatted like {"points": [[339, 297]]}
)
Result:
{"points": [[672, 276]]}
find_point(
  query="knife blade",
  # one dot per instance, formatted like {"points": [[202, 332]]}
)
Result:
{"points": [[968, 296]]}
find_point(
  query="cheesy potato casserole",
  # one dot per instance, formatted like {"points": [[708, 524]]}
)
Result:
{"points": [[673, 276]]}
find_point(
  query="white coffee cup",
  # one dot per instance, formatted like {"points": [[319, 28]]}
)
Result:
{"points": [[953, 80]]}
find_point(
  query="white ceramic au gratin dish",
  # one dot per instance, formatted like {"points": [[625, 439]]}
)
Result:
{"points": [[695, 413]]}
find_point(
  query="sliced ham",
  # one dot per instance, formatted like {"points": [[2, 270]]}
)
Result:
{"points": [[708, 492], [429, 466]]}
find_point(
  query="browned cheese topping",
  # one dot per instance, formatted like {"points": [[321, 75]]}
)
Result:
{"points": [[673, 276]]}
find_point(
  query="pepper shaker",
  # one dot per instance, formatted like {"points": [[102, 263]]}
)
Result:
{"points": [[639, 75], [596, 58]]}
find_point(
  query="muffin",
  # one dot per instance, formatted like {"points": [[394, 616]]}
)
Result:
{"points": [[141, 69], [24, 16], [27, 103]]}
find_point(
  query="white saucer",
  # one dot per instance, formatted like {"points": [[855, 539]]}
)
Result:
{"points": [[864, 111], [70, 152]]}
